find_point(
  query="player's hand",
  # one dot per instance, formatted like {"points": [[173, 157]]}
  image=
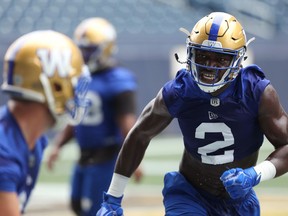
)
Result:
{"points": [[111, 206], [52, 158], [239, 182]]}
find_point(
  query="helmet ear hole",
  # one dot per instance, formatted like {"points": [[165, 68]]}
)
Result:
{"points": [[57, 87]]}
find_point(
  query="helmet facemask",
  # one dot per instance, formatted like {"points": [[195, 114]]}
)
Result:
{"points": [[91, 56], [78, 106], [211, 78], [95, 57]]}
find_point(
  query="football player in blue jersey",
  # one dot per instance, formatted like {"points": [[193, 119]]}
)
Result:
{"points": [[223, 110], [41, 72], [112, 114]]}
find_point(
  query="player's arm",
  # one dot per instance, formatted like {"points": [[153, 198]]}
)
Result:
{"points": [[125, 105], [274, 123], [9, 204], [62, 138], [153, 119]]}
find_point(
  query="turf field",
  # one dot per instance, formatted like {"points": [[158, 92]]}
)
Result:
{"points": [[51, 195]]}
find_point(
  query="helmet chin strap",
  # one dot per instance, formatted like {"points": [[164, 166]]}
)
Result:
{"points": [[49, 96], [216, 86], [209, 89], [60, 121]]}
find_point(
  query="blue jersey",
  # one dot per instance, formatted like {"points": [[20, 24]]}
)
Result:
{"points": [[218, 129], [19, 166], [99, 127]]}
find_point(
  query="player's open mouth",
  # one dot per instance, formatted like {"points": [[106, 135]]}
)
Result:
{"points": [[208, 77]]}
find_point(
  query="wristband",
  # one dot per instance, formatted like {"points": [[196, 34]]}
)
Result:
{"points": [[266, 170], [117, 185]]}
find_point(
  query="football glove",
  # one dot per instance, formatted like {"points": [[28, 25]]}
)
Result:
{"points": [[111, 206], [239, 182]]}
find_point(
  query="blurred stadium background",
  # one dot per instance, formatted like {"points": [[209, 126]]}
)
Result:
{"points": [[148, 37]]}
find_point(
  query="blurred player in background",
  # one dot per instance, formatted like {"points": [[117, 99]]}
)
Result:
{"points": [[111, 116], [224, 111], [41, 70]]}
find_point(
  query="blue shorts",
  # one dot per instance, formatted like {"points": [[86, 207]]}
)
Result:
{"points": [[88, 184], [182, 199]]}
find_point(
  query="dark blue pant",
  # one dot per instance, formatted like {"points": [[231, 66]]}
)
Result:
{"points": [[182, 199], [88, 184]]}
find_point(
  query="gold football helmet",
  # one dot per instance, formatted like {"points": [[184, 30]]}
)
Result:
{"points": [[47, 67], [96, 37], [220, 33]]}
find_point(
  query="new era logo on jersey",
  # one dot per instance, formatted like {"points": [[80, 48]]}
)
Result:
{"points": [[212, 115], [215, 102], [55, 60]]}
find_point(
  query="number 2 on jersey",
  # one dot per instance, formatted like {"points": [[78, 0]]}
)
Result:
{"points": [[218, 127]]}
